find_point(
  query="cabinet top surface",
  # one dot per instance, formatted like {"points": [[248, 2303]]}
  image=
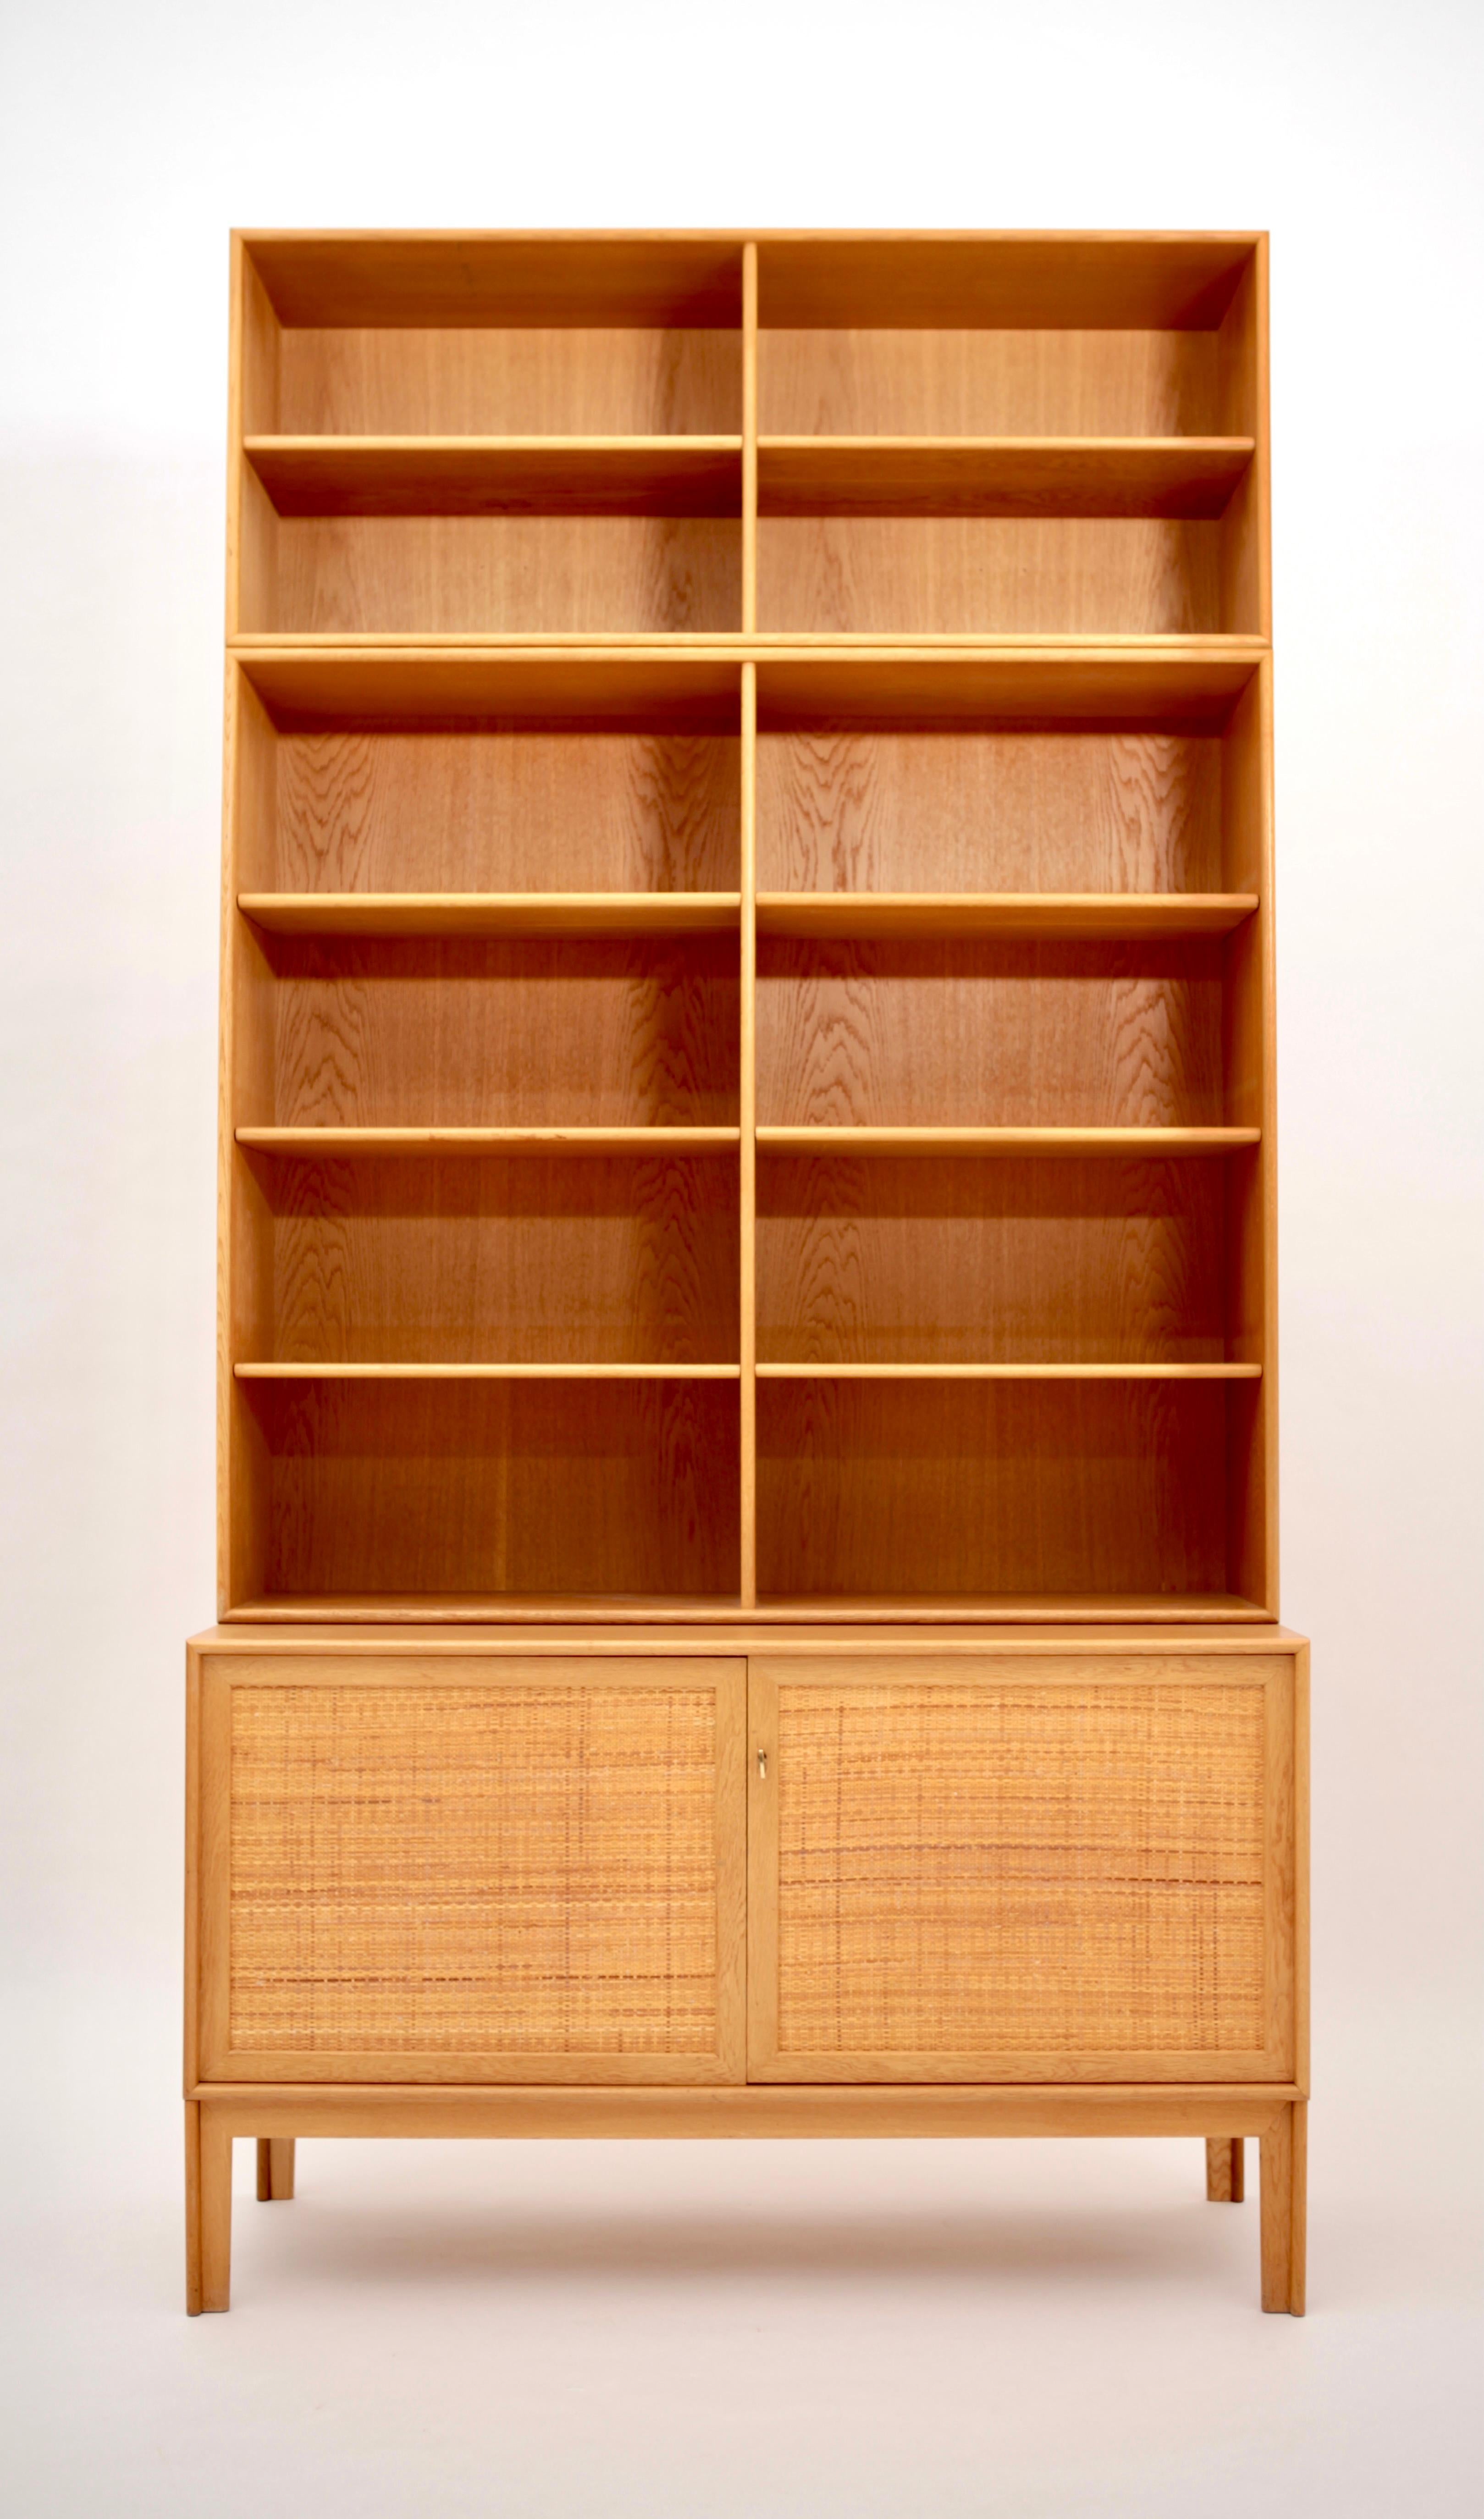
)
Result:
{"points": [[724, 1643]]}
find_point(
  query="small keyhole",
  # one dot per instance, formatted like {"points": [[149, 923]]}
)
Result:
{"points": [[763, 1762]]}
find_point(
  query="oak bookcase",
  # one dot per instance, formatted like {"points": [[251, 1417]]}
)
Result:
{"points": [[748, 1526]]}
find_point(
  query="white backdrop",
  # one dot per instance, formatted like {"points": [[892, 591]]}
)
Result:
{"points": [[131, 139]]}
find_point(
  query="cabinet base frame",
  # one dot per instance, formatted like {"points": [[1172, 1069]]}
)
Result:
{"points": [[216, 2114]]}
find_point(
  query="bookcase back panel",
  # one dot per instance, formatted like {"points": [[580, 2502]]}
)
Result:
{"points": [[498, 1487], [451, 812], [531, 1261], [980, 383], [507, 1033], [502, 573], [910, 575], [947, 1032], [520, 382], [978, 1489], [895, 810], [944, 1262]]}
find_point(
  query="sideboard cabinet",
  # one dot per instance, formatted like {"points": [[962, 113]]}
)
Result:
{"points": [[747, 1595]]}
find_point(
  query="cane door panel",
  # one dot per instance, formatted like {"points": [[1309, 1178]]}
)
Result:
{"points": [[479, 1870], [1022, 1870]]}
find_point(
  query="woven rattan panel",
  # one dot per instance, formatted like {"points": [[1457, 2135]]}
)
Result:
{"points": [[1054, 1869], [531, 1869]]}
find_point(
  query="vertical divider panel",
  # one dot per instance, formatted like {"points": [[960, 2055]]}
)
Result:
{"points": [[749, 438], [747, 1151], [1249, 1068]]}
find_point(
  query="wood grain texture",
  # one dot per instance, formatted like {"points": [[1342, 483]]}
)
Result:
{"points": [[747, 1089], [532, 1259], [949, 1262], [489, 813], [971, 811], [276, 2169], [1083, 916], [982, 475], [521, 1031], [979, 1031], [1284, 2182], [489, 476], [931, 1144], [411, 574], [955, 1876], [493, 1487], [526, 1870], [465, 682], [1225, 2169], [719, 2111], [912, 278], [509, 282], [492, 913], [989, 575], [971, 1490], [365, 1145], [835, 382]]}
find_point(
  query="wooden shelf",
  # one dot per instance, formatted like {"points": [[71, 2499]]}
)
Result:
{"points": [[492, 476], [491, 913], [1009, 1372], [810, 1609], [1111, 1608], [999, 476], [315, 1142], [1004, 1141], [277, 1372], [485, 1609], [1090, 915]]}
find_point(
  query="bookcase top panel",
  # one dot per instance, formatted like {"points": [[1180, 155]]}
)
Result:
{"points": [[806, 278]]}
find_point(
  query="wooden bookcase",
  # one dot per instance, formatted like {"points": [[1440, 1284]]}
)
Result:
{"points": [[748, 1088]]}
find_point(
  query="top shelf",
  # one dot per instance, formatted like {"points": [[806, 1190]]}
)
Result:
{"points": [[1024, 279], [1188, 477]]}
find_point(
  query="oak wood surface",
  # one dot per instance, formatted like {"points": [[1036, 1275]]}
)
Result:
{"points": [[954, 1260], [890, 1633], [981, 1031], [989, 575], [831, 1139], [491, 913], [594, 1617], [413, 573], [1283, 2180], [1225, 2169], [437, 1032], [594, 1486], [973, 475], [1125, 814], [980, 1487], [276, 2169], [570, 813], [316, 1143], [612, 1260], [1075, 916], [484, 475], [748, 2111]]}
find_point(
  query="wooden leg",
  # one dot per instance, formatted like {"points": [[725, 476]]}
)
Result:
{"points": [[1225, 2169], [276, 2169], [1284, 2183], [193, 2209], [215, 2212]]}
